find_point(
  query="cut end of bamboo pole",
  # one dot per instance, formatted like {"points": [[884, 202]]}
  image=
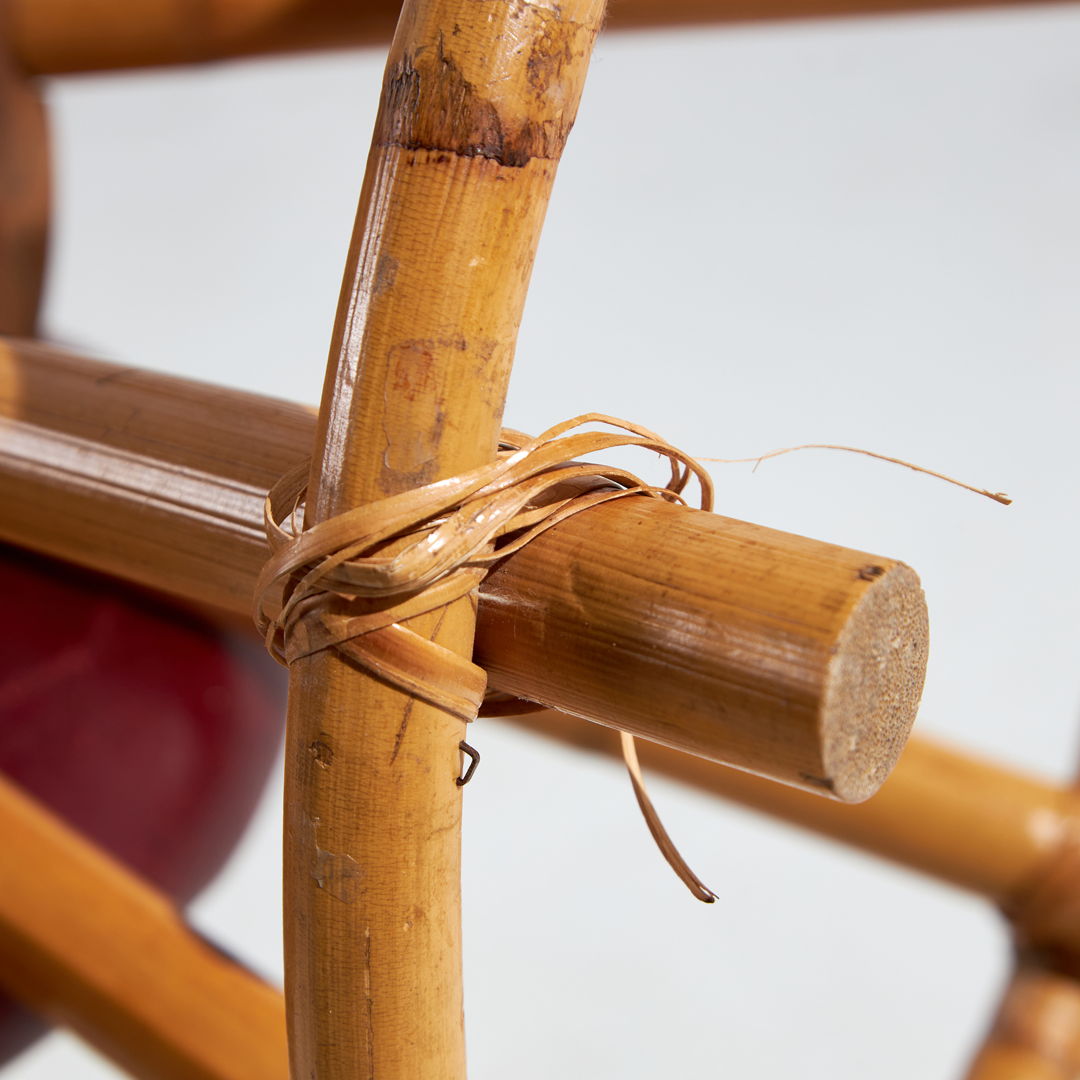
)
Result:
{"points": [[788, 657], [874, 682]]}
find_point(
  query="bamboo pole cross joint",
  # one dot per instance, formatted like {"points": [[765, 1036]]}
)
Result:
{"points": [[477, 103], [352, 581], [732, 641]]}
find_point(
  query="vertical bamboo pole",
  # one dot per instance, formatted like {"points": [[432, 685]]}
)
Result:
{"points": [[24, 191], [477, 102]]}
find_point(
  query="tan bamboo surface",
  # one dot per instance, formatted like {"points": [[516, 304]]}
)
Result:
{"points": [[729, 640], [91, 946], [24, 191], [56, 36], [1036, 1033], [478, 99]]}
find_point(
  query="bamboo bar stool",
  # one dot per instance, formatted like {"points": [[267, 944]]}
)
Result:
{"points": [[797, 660]]}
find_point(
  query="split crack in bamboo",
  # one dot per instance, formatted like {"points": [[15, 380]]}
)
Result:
{"points": [[335, 584]]}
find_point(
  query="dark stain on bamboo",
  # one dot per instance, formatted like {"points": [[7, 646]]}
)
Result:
{"points": [[428, 104]]}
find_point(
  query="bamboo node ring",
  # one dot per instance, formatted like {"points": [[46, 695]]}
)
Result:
{"points": [[352, 581]]}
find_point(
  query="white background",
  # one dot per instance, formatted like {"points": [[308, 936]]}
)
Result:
{"points": [[848, 231]]}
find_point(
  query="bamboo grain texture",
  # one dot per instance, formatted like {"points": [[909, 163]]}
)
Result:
{"points": [[710, 635], [478, 99]]}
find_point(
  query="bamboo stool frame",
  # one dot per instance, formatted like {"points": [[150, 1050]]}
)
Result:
{"points": [[1027, 1040]]}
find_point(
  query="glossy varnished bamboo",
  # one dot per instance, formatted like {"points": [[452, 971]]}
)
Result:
{"points": [[55, 36], [797, 659], [91, 946], [478, 99], [24, 190]]}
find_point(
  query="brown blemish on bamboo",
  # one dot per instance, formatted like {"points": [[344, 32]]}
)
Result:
{"points": [[736, 642], [446, 232], [24, 192], [56, 36], [430, 105], [89, 945]]}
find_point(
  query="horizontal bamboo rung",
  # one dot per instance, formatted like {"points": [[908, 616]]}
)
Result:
{"points": [[91, 946], [57, 36], [731, 641]]}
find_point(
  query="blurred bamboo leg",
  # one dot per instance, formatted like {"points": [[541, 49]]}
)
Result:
{"points": [[74, 934], [945, 813], [91, 946], [477, 102], [24, 191], [1036, 1034]]}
